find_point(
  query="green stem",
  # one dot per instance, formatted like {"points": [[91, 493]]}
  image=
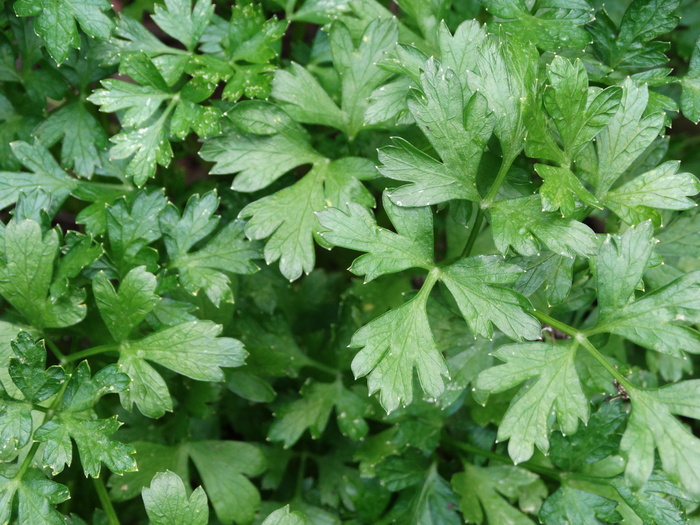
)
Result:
{"points": [[606, 364], [581, 338], [502, 172], [107, 506], [479, 219], [27, 461], [557, 325], [428, 284], [321, 366], [476, 228], [56, 351], [95, 350], [298, 490]]}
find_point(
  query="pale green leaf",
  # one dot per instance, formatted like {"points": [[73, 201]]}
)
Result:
{"points": [[557, 389], [441, 114], [26, 276], [487, 493], [559, 189], [358, 67], [569, 505], [522, 224], [388, 252], [285, 516], [192, 349], [303, 98], [56, 23], [478, 286], [123, 311], [652, 426], [625, 137], [183, 21], [167, 503], [662, 188], [393, 345], [506, 77]]}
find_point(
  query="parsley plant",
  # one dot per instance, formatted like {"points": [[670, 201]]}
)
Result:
{"points": [[501, 326]]}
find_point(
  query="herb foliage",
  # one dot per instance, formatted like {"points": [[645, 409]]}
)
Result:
{"points": [[514, 340]]}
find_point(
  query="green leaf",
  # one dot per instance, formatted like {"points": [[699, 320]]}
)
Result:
{"points": [[632, 46], [266, 145], [649, 504], [182, 21], [388, 252], [147, 147], [477, 284], [167, 503], [550, 272], [306, 101], [655, 320], [83, 138], [123, 311], [56, 23], [285, 516], [206, 268], [621, 262], [145, 126], [28, 382], [303, 98], [578, 112], [391, 347], [192, 349], [442, 116], [223, 467], [569, 505], [506, 77], [36, 500], [552, 29], [152, 458], [46, 173], [358, 67], [136, 103], [597, 440], [679, 238], [310, 412], [434, 503], [313, 410], [661, 188], [652, 426], [557, 389], [26, 276], [690, 96], [131, 228], [90, 435], [487, 493], [522, 224], [288, 217], [28, 372], [559, 189], [625, 137]]}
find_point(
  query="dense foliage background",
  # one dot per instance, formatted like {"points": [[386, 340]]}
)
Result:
{"points": [[515, 340]]}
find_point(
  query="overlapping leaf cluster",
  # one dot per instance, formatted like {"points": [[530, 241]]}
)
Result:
{"points": [[521, 342]]}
